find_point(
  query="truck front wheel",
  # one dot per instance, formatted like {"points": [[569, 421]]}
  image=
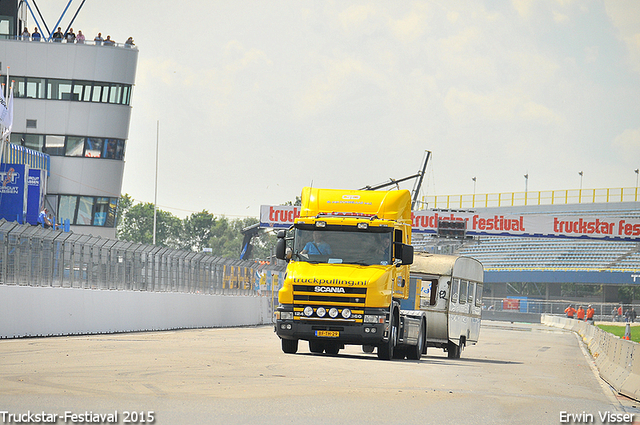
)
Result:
{"points": [[290, 346], [385, 350]]}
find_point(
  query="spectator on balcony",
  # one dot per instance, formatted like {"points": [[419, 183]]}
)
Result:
{"points": [[109, 42], [570, 311], [80, 38], [36, 35], [58, 36], [25, 35], [129, 43], [70, 36], [98, 39]]}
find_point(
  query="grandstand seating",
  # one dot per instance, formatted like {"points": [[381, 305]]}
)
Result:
{"points": [[545, 253]]}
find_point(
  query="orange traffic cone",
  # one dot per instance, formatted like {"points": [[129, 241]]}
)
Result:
{"points": [[627, 332]]}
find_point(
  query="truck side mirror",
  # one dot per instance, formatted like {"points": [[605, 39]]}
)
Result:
{"points": [[407, 254], [404, 253], [281, 246]]}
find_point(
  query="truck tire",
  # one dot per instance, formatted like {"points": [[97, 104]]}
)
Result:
{"points": [[332, 348], [316, 347], [290, 346], [385, 350], [415, 352], [367, 349]]}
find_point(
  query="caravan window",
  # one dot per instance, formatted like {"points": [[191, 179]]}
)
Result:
{"points": [[472, 291], [479, 295], [434, 292], [462, 299], [455, 287]]}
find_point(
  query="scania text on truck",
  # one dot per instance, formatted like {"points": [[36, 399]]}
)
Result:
{"points": [[348, 257]]}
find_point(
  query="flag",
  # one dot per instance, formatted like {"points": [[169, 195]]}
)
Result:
{"points": [[6, 113]]}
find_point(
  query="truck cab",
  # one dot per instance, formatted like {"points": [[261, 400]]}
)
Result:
{"points": [[348, 259]]}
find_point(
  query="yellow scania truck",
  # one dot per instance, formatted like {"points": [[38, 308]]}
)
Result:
{"points": [[348, 259]]}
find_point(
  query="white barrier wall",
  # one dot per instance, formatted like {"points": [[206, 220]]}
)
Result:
{"points": [[617, 359], [44, 311]]}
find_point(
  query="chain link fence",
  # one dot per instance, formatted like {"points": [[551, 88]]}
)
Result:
{"points": [[34, 256]]}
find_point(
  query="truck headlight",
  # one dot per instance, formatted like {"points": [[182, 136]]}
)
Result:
{"points": [[286, 315], [308, 311], [321, 311], [333, 312], [372, 318], [346, 313]]}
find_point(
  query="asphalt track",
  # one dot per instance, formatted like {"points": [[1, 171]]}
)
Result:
{"points": [[517, 374]]}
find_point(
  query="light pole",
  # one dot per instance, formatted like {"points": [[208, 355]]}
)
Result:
{"points": [[473, 201], [637, 170], [581, 174]]}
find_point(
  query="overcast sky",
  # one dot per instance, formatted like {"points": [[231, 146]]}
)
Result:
{"points": [[257, 99]]}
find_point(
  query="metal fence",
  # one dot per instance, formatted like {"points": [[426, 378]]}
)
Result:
{"points": [[34, 256], [604, 312]]}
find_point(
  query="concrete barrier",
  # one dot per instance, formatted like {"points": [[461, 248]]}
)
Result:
{"points": [[43, 311], [616, 359]]}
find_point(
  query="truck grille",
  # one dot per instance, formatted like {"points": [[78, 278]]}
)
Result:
{"points": [[329, 297]]}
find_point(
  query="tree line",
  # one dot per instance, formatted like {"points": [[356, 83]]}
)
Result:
{"points": [[194, 233]]}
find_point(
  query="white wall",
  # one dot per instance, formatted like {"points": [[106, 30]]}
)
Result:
{"points": [[35, 311]]}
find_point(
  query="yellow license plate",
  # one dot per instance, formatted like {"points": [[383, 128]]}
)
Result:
{"points": [[330, 334]]}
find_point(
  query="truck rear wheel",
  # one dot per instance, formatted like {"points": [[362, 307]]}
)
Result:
{"points": [[290, 346], [367, 349], [415, 352]]}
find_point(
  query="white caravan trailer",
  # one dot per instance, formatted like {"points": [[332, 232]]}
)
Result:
{"points": [[449, 289]]}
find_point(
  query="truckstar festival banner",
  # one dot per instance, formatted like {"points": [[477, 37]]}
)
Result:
{"points": [[530, 225]]}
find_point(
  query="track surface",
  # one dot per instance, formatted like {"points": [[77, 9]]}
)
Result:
{"points": [[517, 374]]}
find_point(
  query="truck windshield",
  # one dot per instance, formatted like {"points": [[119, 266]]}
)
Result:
{"points": [[332, 246]]}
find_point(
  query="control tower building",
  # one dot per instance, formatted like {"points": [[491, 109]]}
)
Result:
{"points": [[72, 101]]}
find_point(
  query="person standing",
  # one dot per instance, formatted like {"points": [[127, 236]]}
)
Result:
{"points": [[80, 38], [620, 313], [36, 35], [70, 36], [58, 36], [590, 313], [25, 35], [580, 314], [98, 40], [570, 311]]}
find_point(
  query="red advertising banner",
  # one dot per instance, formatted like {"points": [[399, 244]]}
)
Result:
{"points": [[531, 225]]}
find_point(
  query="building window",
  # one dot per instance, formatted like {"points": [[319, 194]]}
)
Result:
{"points": [[67, 208], [85, 209], [88, 210], [59, 89], [102, 208], [75, 146], [54, 145], [35, 88], [93, 148], [81, 91]]}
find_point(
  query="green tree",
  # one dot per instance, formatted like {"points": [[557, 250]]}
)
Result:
{"points": [[196, 231], [137, 226]]}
